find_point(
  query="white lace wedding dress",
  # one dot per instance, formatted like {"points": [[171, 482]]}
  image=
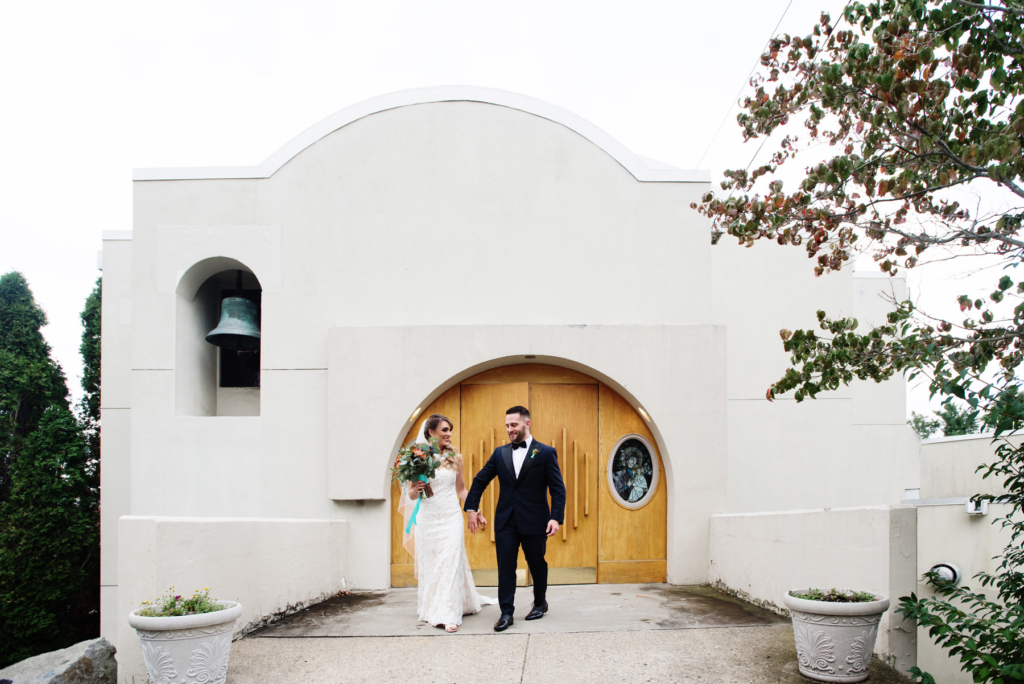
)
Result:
{"points": [[446, 589]]}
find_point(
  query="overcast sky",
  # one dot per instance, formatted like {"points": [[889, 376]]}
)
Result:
{"points": [[92, 90]]}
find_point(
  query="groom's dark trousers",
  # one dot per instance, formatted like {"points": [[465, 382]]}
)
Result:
{"points": [[521, 514], [507, 541]]}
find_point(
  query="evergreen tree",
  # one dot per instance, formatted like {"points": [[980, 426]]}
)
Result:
{"points": [[48, 541], [957, 421], [89, 407], [29, 380], [49, 532], [85, 610], [923, 425]]}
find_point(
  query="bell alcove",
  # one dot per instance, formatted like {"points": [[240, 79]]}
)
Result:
{"points": [[215, 375]]}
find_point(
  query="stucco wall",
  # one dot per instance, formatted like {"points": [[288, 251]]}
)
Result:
{"points": [[419, 244], [378, 376], [269, 566], [948, 535], [949, 466], [849, 447], [361, 227], [409, 216], [761, 556], [115, 411]]}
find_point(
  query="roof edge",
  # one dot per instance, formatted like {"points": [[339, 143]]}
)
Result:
{"points": [[404, 98]]}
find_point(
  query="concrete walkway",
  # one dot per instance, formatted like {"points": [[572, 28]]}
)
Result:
{"points": [[593, 634], [574, 608]]}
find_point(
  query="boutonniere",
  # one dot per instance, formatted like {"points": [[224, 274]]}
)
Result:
{"points": [[535, 452]]}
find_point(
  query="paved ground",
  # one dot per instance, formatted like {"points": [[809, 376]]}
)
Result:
{"points": [[593, 634], [574, 608]]}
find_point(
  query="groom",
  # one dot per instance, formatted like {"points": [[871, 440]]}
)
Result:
{"points": [[526, 469]]}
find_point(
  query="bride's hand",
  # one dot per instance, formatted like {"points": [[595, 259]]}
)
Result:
{"points": [[476, 521], [417, 487]]}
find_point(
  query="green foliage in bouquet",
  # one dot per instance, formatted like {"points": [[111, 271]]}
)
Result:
{"points": [[172, 604], [415, 460]]}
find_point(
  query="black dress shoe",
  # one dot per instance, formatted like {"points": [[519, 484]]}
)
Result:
{"points": [[538, 611], [503, 623]]}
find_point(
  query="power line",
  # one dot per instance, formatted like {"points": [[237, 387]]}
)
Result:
{"points": [[764, 138], [744, 85]]}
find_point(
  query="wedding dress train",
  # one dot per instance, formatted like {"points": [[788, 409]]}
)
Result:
{"points": [[446, 588]]}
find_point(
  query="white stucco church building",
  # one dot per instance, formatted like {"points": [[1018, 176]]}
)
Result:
{"points": [[462, 250]]}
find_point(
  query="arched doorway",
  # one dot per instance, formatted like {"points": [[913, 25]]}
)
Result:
{"points": [[607, 537]]}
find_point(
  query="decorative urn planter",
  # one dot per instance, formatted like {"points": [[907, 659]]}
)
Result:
{"points": [[187, 649], [834, 641]]}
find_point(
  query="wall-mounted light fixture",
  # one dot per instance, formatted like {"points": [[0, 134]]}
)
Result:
{"points": [[947, 571], [419, 409], [976, 507]]}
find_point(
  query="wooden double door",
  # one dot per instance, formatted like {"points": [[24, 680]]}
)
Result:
{"points": [[601, 540]]}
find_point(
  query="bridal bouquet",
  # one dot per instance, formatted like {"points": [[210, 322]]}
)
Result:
{"points": [[416, 462]]}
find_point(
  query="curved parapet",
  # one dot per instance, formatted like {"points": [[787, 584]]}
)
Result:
{"points": [[641, 169]]}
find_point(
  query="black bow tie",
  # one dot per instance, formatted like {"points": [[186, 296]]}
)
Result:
{"points": [[518, 445]]}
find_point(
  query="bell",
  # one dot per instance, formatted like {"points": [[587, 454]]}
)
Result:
{"points": [[238, 328]]}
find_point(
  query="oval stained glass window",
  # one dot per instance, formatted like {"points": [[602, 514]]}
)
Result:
{"points": [[633, 471]]}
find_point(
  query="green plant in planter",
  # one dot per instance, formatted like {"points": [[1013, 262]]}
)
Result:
{"points": [[834, 595], [172, 604]]}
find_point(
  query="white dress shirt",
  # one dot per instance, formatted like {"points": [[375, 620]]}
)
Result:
{"points": [[519, 455]]}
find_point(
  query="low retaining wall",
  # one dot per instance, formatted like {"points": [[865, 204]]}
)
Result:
{"points": [[272, 566], [761, 556], [970, 542]]}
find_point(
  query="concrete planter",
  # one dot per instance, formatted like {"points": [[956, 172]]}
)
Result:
{"points": [[187, 649], [834, 641]]}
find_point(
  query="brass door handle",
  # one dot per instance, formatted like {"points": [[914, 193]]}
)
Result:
{"points": [[586, 485], [575, 485], [565, 459], [494, 485]]}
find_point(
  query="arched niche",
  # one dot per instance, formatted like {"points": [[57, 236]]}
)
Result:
{"points": [[208, 380]]}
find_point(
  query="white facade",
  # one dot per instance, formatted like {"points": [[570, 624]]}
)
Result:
{"points": [[401, 246]]}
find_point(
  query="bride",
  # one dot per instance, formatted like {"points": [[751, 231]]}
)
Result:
{"points": [[446, 590]]}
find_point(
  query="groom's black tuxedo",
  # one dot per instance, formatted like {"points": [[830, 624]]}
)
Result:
{"points": [[521, 514], [523, 499]]}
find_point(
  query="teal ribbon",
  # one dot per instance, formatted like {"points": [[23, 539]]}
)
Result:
{"points": [[415, 511]]}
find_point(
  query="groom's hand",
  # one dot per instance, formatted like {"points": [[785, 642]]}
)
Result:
{"points": [[552, 527], [476, 521]]}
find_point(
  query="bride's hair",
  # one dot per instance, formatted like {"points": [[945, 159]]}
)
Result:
{"points": [[433, 423]]}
